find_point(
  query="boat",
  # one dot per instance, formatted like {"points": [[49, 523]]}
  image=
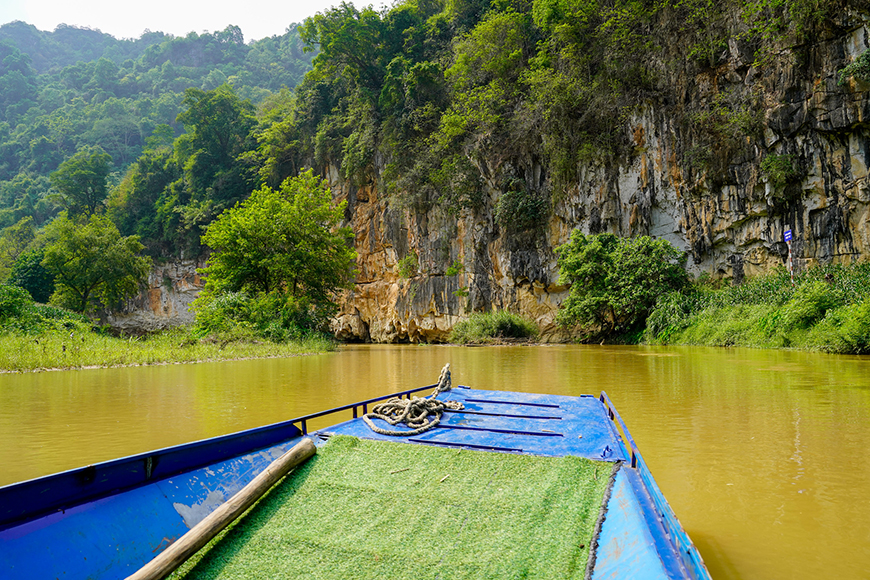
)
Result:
{"points": [[111, 519]]}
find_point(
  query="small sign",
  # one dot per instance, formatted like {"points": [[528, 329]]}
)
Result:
{"points": [[787, 235]]}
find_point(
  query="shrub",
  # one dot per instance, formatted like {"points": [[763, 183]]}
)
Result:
{"points": [[779, 169], [407, 266], [520, 211], [616, 282], [29, 273], [14, 302], [19, 314], [483, 327], [810, 303], [859, 69], [276, 316]]}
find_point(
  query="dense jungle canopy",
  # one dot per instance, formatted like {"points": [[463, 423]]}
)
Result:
{"points": [[431, 98]]}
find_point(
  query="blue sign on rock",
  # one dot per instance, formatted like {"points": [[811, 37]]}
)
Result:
{"points": [[787, 235]]}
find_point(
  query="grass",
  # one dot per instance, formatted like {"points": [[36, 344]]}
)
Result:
{"points": [[827, 309], [80, 348], [366, 509], [489, 327]]}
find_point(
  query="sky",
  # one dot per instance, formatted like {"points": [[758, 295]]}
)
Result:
{"points": [[257, 18]]}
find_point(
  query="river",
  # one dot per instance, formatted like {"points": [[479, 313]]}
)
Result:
{"points": [[762, 454]]}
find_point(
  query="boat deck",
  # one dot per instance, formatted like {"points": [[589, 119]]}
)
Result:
{"points": [[107, 520], [634, 541]]}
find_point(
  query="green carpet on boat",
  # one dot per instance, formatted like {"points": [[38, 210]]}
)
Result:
{"points": [[373, 509]]}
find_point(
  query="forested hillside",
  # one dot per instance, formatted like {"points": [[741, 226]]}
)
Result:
{"points": [[79, 90], [468, 137]]}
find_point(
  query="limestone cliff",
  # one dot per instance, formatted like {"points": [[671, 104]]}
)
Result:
{"points": [[420, 271], [164, 301]]}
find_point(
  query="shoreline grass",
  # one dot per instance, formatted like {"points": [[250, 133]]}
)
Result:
{"points": [[77, 349], [827, 309], [493, 328]]}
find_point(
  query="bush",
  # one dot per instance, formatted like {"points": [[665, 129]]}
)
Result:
{"points": [[616, 282], [19, 314], [859, 69], [779, 169], [275, 316], [29, 273], [483, 327], [14, 302], [518, 210], [811, 302], [407, 267]]}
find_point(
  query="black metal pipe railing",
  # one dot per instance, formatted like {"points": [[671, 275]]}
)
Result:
{"points": [[354, 406]]}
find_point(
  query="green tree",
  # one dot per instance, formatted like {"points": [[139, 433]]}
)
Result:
{"points": [[14, 241], [615, 282], [81, 181], [28, 272], [92, 263], [282, 241]]}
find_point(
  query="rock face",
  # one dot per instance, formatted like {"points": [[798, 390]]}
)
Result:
{"points": [[163, 303], [421, 271], [698, 173]]}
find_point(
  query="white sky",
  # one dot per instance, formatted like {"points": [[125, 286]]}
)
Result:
{"points": [[257, 18]]}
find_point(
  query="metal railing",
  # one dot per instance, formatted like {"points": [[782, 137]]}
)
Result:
{"points": [[355, 407]]}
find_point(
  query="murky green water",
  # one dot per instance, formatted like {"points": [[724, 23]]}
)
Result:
{"points": [[762, 454]]}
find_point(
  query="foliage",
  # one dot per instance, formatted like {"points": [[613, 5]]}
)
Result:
{"points": [[485, 327], [616, 282], [81, 181], [519, 210], [77, 89], [408, 266], [277, 317], [859, 69], [14, 240], [20, 315], [779, 169], [92, 264], [286, 240], [27, 272], [828, 308], [454, 269]]}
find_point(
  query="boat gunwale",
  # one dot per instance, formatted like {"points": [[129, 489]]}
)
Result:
{"points": [[28, 500], [688, 553]]}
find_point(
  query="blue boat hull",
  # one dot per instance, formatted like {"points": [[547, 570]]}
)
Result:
{"points": [[106, 521]]}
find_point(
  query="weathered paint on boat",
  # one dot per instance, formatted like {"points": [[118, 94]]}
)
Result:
{"points": [[107, 520]]}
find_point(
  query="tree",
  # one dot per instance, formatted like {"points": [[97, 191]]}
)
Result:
{"points": [[14, 241], [28, 272], [81, 181], [92, 263], [285, 241], [615, 282]]}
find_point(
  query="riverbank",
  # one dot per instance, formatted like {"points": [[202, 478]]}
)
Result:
{"points": [[77, 349], [826, 308]]}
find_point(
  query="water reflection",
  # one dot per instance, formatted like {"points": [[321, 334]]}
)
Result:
{"points": [[759, 452]]}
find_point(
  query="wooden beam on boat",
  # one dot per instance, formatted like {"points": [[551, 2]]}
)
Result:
{"points": [[198, 536]]}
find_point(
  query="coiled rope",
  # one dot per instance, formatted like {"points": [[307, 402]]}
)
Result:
{"points": [[414, 412]]}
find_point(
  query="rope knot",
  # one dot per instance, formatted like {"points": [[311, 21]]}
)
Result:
{"points": [[414, 412]]}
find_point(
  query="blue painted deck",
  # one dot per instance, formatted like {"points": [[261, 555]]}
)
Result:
{"points": [[106, 521], [547, 425]]}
